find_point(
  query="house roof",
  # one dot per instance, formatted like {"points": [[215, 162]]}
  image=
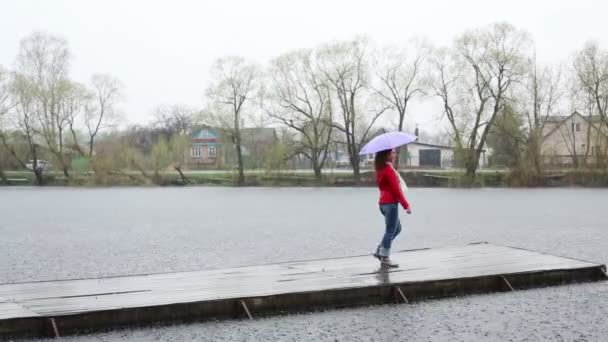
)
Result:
{"points": [[556, 118], [263, 134], [431, 145], [561, 119], [197, 129]]}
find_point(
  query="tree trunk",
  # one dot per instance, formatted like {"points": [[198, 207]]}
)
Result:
{"points": [[356, 173], [66, 172], [3, 178], [317, 170], [575, 161], [239, 158], [471, 165], [38, 175], [354, 161], [398, 150], [535, 153], [185, 179], [470, 173], [64, 164], [316, 165], [91, 148]]}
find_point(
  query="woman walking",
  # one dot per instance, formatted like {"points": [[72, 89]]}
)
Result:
{"points": [[392, 188]]}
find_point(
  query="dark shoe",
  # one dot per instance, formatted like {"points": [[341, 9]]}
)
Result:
{"points": [[386, 262], [376, 253]]}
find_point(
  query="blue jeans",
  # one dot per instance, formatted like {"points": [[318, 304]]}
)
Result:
{"points": [[393, 227]]}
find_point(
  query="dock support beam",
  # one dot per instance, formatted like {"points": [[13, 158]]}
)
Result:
{"points": [[54, 325], [401, 294], [507, 282], [244, 305]]}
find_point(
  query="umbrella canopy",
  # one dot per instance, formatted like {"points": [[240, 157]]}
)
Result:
{"points": [[387, 141]]}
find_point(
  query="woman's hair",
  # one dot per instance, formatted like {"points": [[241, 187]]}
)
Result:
{"points": [[381, 159]]}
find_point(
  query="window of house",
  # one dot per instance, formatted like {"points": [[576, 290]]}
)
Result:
{"points": [[212, 151], [583, 146], [576, 127], [196, 152], [205, 133]]}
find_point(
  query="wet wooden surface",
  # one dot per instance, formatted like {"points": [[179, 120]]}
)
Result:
{"points": [[73, 297]]}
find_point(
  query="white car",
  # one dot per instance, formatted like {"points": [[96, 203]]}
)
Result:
{"points": [[42, 164]]}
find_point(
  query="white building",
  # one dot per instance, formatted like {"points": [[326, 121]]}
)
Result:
{"points": [[423, 155], [566, 138]]}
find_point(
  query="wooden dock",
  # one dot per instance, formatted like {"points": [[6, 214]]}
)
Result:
{"points": [[54, 308]]}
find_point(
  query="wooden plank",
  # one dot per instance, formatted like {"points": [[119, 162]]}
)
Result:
{"points": [[73, 305], [9, 310]]}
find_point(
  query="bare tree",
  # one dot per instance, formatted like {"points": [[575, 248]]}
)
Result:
{"points": [[591, 65], [24, 126], [165, 154], [101, 113], [346, 66], [544, 92], [6, 104], [233, 86], [74, 103], [300, 99], [473, 80], [43, 61], [591, 69], [400, 75], [175, 119]]}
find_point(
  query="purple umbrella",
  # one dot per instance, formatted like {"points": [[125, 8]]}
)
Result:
{"points": [[387, 141]]}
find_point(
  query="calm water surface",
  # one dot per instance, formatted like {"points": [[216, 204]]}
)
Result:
{"points": [[57, 233]]}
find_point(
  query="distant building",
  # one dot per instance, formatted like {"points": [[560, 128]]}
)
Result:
{"points": [[424, 155], [212, 148], [256, 143], [566, 138], [205, 151]]}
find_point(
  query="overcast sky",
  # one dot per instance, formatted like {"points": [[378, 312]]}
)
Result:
{"points": [[162, 50]]}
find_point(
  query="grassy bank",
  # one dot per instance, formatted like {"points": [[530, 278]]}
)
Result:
{"points": [[414, 178]]}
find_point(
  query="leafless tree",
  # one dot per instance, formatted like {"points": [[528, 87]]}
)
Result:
{"points": [[233, 86], [43, 61], [74, 102], [23, 126], [473, 79], [176, 119], [102, 113], [401, 77], [6, 104], [543, 93], [591, 65], [346, 67], [300, 99], [591, 68]]}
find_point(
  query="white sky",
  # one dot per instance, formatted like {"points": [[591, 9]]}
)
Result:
{"points": [[162, 50]]}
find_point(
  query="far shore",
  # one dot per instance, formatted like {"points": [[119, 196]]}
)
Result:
{"points": [[306, 178]]}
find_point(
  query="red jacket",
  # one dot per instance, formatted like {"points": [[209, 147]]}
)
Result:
{"points": [[390, 189]]}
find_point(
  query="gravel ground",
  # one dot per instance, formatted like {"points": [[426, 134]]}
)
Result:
{"points": [[69, 233]]}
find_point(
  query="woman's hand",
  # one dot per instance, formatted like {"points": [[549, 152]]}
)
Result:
{"points": [[408, 210]]}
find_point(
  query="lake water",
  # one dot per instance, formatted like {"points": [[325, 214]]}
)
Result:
{"points": [[58, 233]]}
